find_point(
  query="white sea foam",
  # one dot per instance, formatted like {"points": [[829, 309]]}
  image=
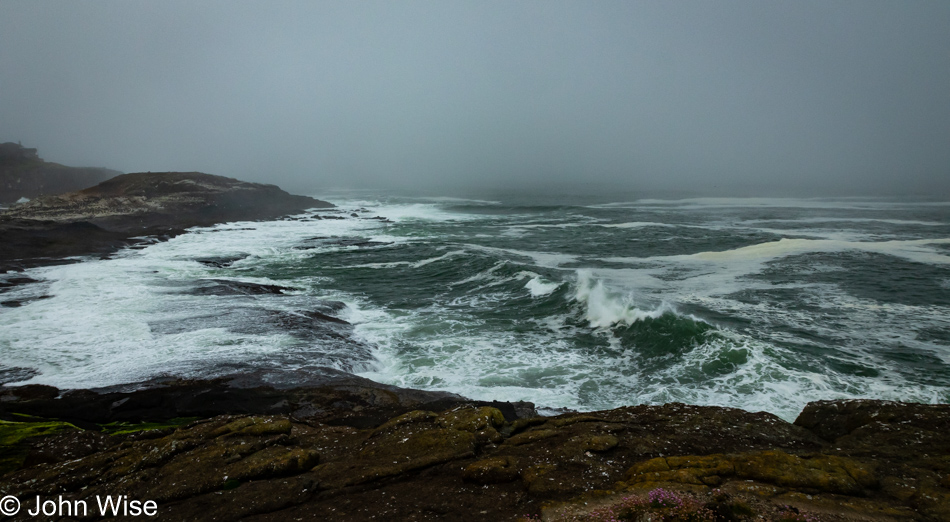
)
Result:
{"points": [[800, 203], [543, 259], [914, 250], [408, 212], [538, 287], [638, 224], [447, 199], [719, 271], [857, 220], [97, 327], [413, 264]]}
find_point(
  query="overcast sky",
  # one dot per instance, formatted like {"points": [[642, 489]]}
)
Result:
{"points": [[726, 97]]}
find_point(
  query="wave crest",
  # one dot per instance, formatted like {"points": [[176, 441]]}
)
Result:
{"points": [[605, 308]]}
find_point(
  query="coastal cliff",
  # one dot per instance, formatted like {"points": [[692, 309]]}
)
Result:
{"points": [[356, 450], [100, 219]]}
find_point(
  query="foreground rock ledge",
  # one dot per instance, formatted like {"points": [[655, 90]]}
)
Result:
{"points": [[102, 218], [460, 460]]}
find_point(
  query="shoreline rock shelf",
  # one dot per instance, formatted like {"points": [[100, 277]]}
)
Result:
{"points": [[351, 449], [117, 212]]}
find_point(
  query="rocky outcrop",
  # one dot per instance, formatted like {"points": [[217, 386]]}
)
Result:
{"points": [[171, 200], [23, 174], [460, 460], [335, 398], [102, 218]]}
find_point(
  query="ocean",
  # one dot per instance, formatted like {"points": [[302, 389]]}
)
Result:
{"points": [[759, 304]]}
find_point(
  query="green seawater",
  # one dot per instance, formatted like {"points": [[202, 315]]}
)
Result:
{"points": [[761, 304]]}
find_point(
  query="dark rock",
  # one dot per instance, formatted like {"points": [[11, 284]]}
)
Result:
{"points": [[833, 419], [343, 242], [339, 398], [493, 470], [67, 446], [32, 242], [15, 281], [224, 287], [219, 262], [14, 303], [29, 392]]}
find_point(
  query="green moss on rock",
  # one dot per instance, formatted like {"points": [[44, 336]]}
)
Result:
{"points": [[13, 451], [124, 428]]}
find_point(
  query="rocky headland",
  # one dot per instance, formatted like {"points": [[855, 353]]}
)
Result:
{"points": [[350, 449], [100, 219], [23, 174]]}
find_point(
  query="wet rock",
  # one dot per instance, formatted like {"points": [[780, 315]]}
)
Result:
{"points": [[219, 262], [224, 287], [10, 282], [343, 242], [10, 374]]}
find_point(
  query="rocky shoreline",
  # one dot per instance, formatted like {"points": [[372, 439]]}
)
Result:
{"points": [[127, 208], [350, 449]]}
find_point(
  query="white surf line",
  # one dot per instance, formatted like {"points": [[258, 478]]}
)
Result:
{"points": [[908, 249], [448, 199], [717, 273], [542, 259], [412, 264], [702, 203], [485, 274], [645, 224], [848, 220], [785, 247]]}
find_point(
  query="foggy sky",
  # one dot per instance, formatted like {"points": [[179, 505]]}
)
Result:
{"points": [[727, 97]]}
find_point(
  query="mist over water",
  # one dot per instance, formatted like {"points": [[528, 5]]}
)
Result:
{"points": [[797, 98], [760, 304]]}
